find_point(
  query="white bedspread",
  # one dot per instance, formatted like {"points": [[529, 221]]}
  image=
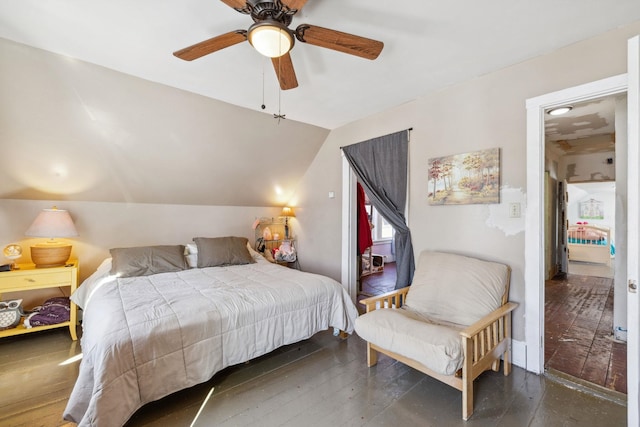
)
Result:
{"points": [[147, 337]]}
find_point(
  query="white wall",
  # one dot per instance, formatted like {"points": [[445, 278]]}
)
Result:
{"points": [[383, 248], [483, 113], [588, 167]]}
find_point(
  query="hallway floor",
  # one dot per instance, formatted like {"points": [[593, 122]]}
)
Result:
{"points": [[578, 331]]}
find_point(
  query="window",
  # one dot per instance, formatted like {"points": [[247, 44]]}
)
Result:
{"points": [[382, 230]]}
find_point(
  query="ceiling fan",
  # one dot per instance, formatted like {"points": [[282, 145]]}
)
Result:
{"points": [[271, 36]]}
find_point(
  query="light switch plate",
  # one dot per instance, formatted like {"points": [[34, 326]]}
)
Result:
{"points": [[514, 210]]}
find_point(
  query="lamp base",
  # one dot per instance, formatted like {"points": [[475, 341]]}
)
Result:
{"points": [[50, 255]]}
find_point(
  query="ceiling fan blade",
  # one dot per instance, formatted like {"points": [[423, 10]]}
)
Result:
{"points": [[294, 4], [236, 4], [285, 72], [211, 45], [337, 40]]}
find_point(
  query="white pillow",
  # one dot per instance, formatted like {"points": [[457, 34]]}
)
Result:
{"points": [[82, 294], [455, 288], [191, 254], [257, 256]]}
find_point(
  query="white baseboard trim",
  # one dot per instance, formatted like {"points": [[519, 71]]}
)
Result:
{"points": [[519, 353]]}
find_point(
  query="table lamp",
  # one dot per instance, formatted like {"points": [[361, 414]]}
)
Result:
{"points": [[287, 213], [51, 223]]}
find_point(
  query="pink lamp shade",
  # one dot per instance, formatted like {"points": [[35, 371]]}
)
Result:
{"points": [[51, 223]]}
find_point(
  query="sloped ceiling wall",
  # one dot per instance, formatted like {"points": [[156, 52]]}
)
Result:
{"points": [[75, 131]]}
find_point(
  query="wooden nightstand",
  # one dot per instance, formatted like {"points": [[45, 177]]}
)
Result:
{"points": [[28, 278]]}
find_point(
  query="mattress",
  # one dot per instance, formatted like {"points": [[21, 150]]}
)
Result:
{"points": [[147, 337]]}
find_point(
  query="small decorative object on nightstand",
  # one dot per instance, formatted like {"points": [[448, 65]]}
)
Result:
{"points": [[10, 313], [12, 252], [51, 223], [28, 278]]}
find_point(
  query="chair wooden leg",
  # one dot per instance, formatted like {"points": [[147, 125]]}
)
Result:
{"points": [[507, 361], [372, 356], [467, 380], [467, 398], [507, 353]]}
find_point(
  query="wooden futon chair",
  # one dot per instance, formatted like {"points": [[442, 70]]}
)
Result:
{"points": [[452, 323]]}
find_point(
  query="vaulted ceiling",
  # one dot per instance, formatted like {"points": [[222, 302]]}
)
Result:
{"points": [[428, 45]]}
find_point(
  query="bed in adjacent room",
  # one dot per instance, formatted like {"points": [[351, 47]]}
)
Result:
{"points": [[153, 326], [589, 243]]}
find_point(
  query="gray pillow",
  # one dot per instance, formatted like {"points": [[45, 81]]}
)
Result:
{"points": [[147, 260], [217, 251]]}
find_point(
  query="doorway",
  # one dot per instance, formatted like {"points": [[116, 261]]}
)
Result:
{"points": [[377, 266], [535, 231], [581, 337], [626, 157]]}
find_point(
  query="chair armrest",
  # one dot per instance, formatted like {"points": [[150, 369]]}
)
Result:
{"points": [[487, 320], [389, 299]]}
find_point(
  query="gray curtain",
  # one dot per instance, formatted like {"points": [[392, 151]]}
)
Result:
{"points": [[381, 167]]}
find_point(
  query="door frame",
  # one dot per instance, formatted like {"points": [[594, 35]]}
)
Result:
{"points": [[534, 226], [633, 231], [349, 230]]}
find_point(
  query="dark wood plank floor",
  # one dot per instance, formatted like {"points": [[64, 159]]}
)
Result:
{"points": [[34, 384], [323, 381], [377, 283], [578, 331]]}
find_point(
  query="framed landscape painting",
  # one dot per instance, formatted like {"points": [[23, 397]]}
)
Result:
{"points": [[462, 179]]}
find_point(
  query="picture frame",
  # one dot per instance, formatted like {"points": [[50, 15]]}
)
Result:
{"points": [[468, 178], [592, 209]]}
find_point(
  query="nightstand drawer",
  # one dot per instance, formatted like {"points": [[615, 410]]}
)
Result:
{"points": [[38, 280]]}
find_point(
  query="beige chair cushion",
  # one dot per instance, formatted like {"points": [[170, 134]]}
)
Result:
{"points": [[454, 288], [437, 347]]}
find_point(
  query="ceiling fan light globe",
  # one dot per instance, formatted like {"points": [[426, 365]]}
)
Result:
{"points": [[271, 39]]}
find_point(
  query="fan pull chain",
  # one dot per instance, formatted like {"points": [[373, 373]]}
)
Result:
{"points": [[263, 106], [279, 116]]}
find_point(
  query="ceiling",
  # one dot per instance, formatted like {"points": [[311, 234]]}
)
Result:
{"points": [[588, 128], [428, 46]]}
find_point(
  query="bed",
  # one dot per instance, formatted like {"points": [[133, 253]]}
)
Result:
{"points": [[148, 335], [589, 243]]}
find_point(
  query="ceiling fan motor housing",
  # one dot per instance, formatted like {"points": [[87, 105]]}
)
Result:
{"points": [[261, 10]]}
